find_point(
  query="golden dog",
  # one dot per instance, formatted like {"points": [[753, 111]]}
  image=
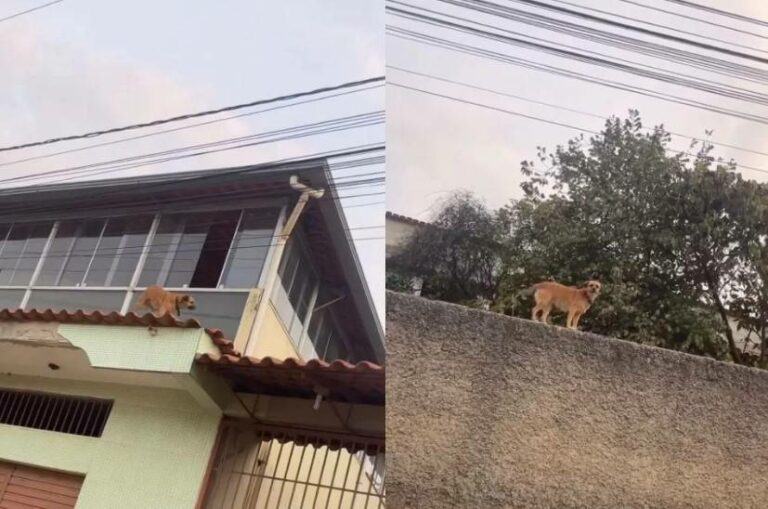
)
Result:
{"points": [[160, 301], [568, 299]]}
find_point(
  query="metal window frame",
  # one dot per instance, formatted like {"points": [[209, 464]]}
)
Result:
{"points": [[133, 286]]}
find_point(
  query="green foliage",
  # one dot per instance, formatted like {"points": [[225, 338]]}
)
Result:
{"points": [[678, 241], [398, 282]]}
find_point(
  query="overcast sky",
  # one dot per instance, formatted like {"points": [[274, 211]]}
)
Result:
{"points": [[437, 145], [83, 65]]}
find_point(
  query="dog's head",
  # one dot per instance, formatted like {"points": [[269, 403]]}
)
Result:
{"points": [[593, 288], [187, 301]]}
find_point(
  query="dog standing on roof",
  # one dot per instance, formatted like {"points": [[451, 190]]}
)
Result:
{"points": [[161, 302], [568, 299]]}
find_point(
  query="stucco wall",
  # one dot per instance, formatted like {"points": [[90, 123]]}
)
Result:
{"points": [[153, 452], [489, 411]]}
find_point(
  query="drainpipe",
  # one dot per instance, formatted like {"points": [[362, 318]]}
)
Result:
{"points": [[306, 194]]}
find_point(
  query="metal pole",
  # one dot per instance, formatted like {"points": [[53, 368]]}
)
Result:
{"points": [[277, 255]]}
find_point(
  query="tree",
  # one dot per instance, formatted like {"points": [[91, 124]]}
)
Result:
{"points": [[458, 256], [680, 242]]}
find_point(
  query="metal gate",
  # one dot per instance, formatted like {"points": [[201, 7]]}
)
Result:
{"points": [[258, 467]]}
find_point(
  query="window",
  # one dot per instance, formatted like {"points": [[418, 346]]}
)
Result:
{"points": [[298, 286], [194, 249], [95, 252], [250, 248], [119, 250], [299, 292], [20, 252], [52, 412]]}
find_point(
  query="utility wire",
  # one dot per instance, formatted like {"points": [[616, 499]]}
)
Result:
{"points": [[609, 61], [43, 6], [641, 30], [191, 126], [693, 18], [564, 108], [708, 63], [658, 25], [559, 71], [720, 12], [298, 163], [538, 119], [294, 132], [187, 116], [637, 69]]}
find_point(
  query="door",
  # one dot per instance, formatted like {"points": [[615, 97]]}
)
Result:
{"points": [[24, 487]]}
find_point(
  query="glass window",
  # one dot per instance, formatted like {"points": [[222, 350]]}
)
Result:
{"points": [[87, 234], [118, 253], [190, 250], [61, 249], [249, 249], [11, 299], [87, 300], [294, 294], [21, 252]]}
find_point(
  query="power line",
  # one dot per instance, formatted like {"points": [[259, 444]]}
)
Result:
{"points": [[692, 18], [192, 126], [538, 119], [659, 25], [43, 6], [296, 163], [187, 116], [294, 132], [632, 68], [605, 60], [733, 15], [563, 108], [707, 63], [559, 71], [644, 31]]}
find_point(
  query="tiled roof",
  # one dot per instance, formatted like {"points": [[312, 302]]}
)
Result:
{"points": [[342, 381], [114, 318], [406, 219]]}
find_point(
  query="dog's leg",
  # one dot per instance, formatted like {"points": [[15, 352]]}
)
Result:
{"points": [[534, 313], [576, 321], [569, 322], [545, 314]]}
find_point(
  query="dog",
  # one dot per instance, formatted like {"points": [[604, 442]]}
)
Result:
{"points": [[160, 301], [568, 299]]}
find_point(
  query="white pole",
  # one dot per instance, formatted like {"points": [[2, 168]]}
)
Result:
{"points": [[277, 255]]}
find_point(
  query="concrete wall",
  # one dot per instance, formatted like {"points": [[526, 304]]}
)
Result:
{"points": [[153, 453], [489, 411]]}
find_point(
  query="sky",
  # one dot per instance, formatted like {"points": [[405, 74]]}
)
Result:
{"points": [[84, 65], [436, 145]]}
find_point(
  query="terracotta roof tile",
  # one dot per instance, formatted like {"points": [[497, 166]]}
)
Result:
{"points": [[406, 219], [337, 380], [114, 318]]}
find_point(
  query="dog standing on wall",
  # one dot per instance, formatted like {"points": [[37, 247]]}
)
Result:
{"points": [[160, 301], [569, 299]]}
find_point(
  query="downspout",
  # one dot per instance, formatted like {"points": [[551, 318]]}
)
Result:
{"points": [[285, 234]]}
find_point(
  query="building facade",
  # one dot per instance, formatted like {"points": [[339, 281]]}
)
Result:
{"points": [[115, 408]]}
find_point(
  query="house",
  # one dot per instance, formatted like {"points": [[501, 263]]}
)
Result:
{"points": [[268, 394], [400, 229]]}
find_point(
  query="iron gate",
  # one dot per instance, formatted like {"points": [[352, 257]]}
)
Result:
{"points": [[258, 467]]}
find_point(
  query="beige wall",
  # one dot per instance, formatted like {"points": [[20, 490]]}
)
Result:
{"points": [[489, 411], [273, 340]]}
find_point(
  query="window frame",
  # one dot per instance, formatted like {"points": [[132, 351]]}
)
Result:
{"points": [[157, 214]]}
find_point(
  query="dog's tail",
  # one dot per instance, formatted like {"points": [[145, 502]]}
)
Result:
{"points": [[527, 291]]}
